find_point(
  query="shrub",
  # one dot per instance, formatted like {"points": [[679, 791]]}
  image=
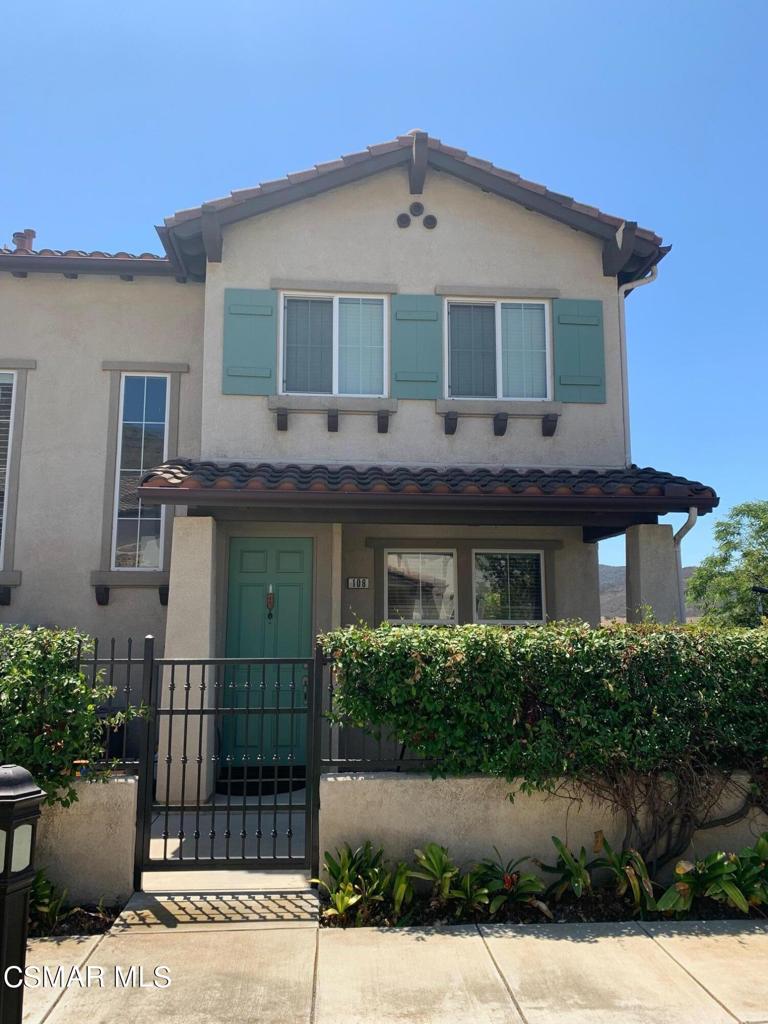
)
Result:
{"points": [[49, 714], [649, 717]]}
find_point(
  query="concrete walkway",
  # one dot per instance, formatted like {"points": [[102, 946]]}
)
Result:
{"points": [[261, 959]]}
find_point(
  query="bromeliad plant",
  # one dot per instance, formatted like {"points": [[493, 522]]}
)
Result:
{"points": [[715, 876], [470, 895], [740, 880], [630, 873], [435, 866], [572, 871], [507, 884]]}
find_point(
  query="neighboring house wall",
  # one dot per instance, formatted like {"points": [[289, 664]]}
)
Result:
{"points": [[71, 328], [350, 236]]}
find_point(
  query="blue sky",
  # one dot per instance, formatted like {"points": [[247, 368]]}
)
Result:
{"points": [[115, 115]]}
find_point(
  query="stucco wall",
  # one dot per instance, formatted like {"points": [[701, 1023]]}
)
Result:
{"points": [[70, 327], [472, 815], [87, 848], [350, 235]]}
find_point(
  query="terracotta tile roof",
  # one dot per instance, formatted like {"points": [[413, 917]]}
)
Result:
{"points": [[183, 475], [401, 142], [82, 254]]}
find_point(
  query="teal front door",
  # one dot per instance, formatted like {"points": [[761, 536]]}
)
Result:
{"points": [[269, 615]]}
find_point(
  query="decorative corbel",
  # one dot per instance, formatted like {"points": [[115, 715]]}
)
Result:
{"points": [[549, 424], [500, 421]]}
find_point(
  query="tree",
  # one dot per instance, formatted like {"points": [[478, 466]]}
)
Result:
{"points": [[722, 584]]}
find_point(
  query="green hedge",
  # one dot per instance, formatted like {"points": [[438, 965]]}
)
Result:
{"points": [[49, 714], [563, 700]]}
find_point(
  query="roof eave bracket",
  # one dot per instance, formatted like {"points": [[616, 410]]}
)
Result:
{"points": [[617, 250], [211, 231], [417, 168]]}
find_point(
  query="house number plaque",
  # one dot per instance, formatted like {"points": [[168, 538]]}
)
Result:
{"points": [[357, 582]]}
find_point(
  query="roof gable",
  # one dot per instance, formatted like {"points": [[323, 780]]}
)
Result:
{"points": [[193, 237]]}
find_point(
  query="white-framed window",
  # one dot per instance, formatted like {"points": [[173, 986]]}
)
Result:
{"points": [[7, 399], [138, 529], [508, 587], [420, 586], [334, 344], [498, 349]]}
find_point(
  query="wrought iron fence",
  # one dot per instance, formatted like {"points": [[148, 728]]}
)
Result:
{"points": [[124, 672], [347, 747]]}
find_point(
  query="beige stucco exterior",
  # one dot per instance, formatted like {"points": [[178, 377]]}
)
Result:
{"points": [[350, 235], [343, 239], [71, 327]]}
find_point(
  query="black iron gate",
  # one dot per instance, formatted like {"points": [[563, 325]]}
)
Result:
{"points": [[228, 763]]}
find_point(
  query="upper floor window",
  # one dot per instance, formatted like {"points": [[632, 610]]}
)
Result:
{"points": [[137, 539], [334, 345], [7, 383], [498, 350]]}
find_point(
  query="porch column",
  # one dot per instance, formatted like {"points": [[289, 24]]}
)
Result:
{"points": [[652, 573], [190, 634]]}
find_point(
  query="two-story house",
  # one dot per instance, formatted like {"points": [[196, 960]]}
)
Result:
{"points": [[392, 386]]}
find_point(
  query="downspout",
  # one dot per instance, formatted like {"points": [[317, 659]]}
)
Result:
{"points": [[688, 525], [623, 291]]}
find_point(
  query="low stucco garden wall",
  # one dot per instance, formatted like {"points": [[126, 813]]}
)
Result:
{"points": [[87, 848], [471, 815]]}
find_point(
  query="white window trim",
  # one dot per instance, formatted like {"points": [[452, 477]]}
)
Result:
{"points": [[423, 551], [118, 462], [7, 481], [497, 304], [510, 622], [334, 296]]}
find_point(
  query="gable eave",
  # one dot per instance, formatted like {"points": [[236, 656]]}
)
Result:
{"points": [[194, 237]]}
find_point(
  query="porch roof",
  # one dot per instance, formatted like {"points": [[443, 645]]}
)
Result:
{"points": [[616, 496]]}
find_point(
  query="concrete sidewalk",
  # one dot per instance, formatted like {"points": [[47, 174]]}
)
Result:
{"points": [[261, 959]]}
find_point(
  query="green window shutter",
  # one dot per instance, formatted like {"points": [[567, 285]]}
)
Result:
{"points": [[417, 346], [577, 326], [250, 342]]}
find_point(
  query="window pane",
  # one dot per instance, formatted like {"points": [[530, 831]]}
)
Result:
{"points": [[508, 587], [420, 586], [472, 344], [131, 448], [361, 346], [309, 345], [154, 411], [149, 544], [127, 500], [133, 399], [125, 543], [524, 350], [154, 443]]}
